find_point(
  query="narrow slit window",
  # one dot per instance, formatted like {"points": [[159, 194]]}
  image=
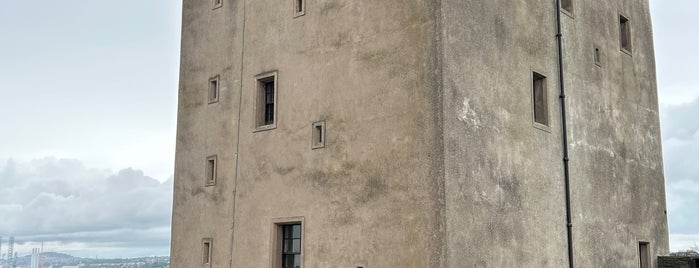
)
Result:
{"points": [[644, 255], [625, 33], [266, 108], [213, 89], [318, 135], [211, 170], [299, 8], [206, 250], [540, 99], [217, 3], [567, 5], [598, 56]]}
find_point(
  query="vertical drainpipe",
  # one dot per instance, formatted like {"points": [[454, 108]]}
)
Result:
{"points": [[566, 168], [237, 137]]}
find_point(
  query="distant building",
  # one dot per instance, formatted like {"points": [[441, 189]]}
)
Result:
{"points": [[36, 258], [686, 253], [421, 133]]}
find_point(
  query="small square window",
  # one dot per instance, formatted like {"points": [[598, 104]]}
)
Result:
{"points": [[217, 4], [213, 89], [540, 101], [207, 248], [211, 166], [318, 135], [266, 103], [625, 34], [567, 5], [299, 8]]}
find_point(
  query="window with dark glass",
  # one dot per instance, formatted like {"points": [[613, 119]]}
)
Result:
{"points": [[213, 89], [211, 171], [206, 250], [266, 101], [269, 103], [598, 57], [299, 8], [318, 135], [539, 97], [291, 246], [567, 5], [625, 33], [217, 4]]}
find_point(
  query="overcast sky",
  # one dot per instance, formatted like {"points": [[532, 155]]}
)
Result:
{"points": [[88, 96], [88, 102], [675, 24]]}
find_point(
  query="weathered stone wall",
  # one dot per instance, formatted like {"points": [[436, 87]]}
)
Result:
{"points": [[367, 68], [504, 185], [432, 158], [211, 45], [504, 177], [617, 180]]}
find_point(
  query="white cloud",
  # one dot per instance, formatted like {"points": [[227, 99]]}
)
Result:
{"points": [[63, 202], [682, 242]]}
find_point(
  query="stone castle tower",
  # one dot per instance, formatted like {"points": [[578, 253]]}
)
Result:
{"points": [[417, 133]]}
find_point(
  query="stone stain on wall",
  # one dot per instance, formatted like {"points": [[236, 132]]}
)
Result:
{"points": [[330, 7], [468, 115]]}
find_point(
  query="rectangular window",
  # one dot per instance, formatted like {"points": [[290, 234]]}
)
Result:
{"points": [[644, 254], [217, 4], [207, 244], [318, 135], [539, 97], [211, 170], [567, 5], [266, 104], [299, 8], [213, 89], [625, 33], [287, 250], [291, 245]]}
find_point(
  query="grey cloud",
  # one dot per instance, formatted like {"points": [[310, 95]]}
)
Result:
{"points": [[682, 199], [63, 201], [156, 237], [674, 43], [680, 129]]}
